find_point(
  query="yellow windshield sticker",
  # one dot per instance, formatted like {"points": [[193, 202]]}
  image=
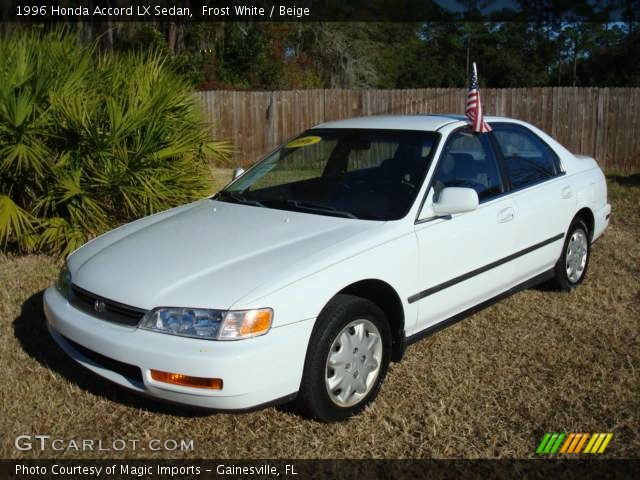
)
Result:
{"points": [[303, 141]]}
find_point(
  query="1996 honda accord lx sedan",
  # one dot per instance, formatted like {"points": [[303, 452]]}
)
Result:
{"points": [[312, 270]]}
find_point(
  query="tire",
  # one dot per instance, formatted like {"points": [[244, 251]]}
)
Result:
{"points": [[571, 268], [344, 367]]}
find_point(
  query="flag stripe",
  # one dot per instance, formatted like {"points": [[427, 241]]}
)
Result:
{"points": [[473, 110]]}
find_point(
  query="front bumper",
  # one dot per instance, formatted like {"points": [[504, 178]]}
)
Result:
{"points": [[254, 371]]}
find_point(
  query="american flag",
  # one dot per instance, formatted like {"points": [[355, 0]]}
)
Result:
{"points": [[474, 107]]}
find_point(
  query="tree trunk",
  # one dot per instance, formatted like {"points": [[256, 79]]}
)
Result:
{"points": [[105, 35], [172, 36]]}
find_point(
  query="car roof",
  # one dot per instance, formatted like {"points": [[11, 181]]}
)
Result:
{"points": [[404, 122]]}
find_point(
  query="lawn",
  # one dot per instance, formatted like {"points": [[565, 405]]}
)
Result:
{"points": [[490, 386]]}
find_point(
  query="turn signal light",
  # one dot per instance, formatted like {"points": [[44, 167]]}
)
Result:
{"points": [[256, 322], [186, 380], [246, 323]]}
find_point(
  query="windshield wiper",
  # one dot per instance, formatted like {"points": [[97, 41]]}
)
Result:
{"points": [[238, 198], [319, 207]]}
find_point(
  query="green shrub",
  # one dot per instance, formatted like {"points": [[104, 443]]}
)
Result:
{"points": [[89, 141]]}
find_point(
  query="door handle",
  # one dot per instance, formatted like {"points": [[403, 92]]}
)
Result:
{"points": [[566, 192], [506, 215]]}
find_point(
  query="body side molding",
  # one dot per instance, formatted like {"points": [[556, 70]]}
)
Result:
{"points": [[478, 271], [532, 282]]}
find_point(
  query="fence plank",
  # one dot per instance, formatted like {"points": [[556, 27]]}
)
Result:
{"points": [[600, 122]]}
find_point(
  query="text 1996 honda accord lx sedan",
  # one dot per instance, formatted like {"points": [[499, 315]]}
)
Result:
{"points": [[314, 269]]}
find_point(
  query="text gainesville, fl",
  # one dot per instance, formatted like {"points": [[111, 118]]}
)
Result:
{"points": [[141, 470]]}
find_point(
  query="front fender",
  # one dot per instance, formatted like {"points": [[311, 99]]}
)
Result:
{"points": [[392, 262]]}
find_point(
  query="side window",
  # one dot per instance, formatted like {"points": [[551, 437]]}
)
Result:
{"points": [[529, 160], [468, 161]]}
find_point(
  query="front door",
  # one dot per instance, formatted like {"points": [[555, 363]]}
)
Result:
{"points": [[463, 258]]}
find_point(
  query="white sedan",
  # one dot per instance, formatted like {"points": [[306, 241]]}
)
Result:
{"points": [[315, 268]]}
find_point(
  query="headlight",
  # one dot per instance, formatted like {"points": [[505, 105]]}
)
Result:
{"points": [[208, 324], [63, 284]]}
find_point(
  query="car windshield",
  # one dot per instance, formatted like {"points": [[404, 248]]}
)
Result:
{"points": [[356, 173]]}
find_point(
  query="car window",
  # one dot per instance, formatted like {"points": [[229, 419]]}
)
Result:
{"points": [[529, 160], [372, 156], [300, 164], [377, 153], [363, 173], [468, 161]]}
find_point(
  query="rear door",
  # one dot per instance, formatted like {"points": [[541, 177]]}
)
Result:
{"points": [[542, 195]]}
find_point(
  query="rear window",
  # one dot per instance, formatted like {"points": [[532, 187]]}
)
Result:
{"points": [[529, 160]]}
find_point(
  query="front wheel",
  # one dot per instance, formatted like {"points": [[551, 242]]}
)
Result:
{"points": [[571, 267], [347, 359]]}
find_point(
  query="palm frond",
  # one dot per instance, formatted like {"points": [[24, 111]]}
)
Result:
{"points": [[61, 237], [91, 140], [15, 223]]}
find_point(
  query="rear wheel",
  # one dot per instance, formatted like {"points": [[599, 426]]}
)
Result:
{"points": [[347, 359], [572, 265]]}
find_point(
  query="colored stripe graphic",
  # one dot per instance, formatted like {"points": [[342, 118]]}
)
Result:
{"points": [[550, 443], [590, 444], [581, 443], [556, 446], [573, 443], [606, 442], [596, 446], [567, 442], [544, 441]]}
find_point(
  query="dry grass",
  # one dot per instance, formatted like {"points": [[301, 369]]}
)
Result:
{"points": [[487, 387]]}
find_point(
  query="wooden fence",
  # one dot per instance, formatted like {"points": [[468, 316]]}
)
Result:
{"points": [[600, 122]]}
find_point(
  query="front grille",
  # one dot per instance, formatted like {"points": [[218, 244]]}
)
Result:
{"points": [[131, 372], [109, 310]]}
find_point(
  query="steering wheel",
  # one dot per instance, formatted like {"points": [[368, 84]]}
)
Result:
{"points": [[407, 183]]}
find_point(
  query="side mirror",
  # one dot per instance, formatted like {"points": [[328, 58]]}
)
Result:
{"points": [[237, 172], [456, 200]]}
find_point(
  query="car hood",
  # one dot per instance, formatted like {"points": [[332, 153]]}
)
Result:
{"points": [[207, 254]]}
